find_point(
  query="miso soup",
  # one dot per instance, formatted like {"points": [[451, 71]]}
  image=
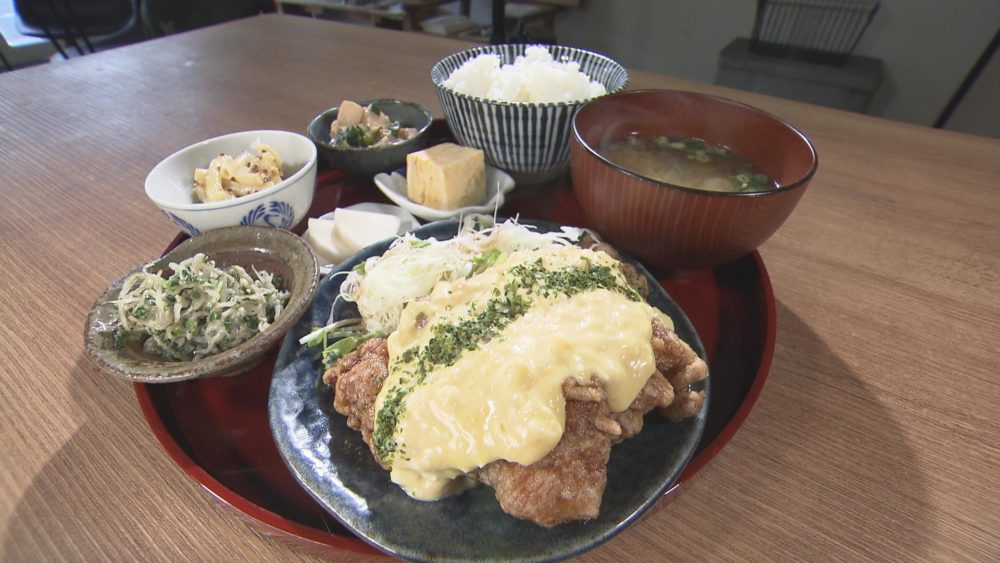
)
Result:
{"points": [[688, 162]]}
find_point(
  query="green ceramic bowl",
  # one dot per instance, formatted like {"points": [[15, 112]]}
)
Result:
{"points": [[367, 162]]}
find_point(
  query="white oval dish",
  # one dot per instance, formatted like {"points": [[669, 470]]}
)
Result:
{"points": [[407, 223], [498, 185]]}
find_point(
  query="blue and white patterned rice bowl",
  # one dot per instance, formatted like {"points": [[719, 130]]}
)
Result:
{"points": [[170, 184], [529, 140]]}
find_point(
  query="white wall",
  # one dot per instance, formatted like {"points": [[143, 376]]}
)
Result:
{"points": [[682, 38], [927, 45]]}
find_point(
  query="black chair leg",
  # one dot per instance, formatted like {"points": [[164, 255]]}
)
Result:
{"points": [[498, 34], [79, 27], [55, 42], [66, 29], [30, 11], [6, 63]]}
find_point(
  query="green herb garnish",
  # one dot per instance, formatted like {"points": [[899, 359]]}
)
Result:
{"points": [[484, 261], [343, 347]]}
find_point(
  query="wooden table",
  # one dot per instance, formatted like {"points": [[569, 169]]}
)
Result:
{"points": [[876, 435]]}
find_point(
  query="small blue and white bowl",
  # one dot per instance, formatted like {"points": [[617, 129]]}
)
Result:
{"points": [[526, 139], [170, 184]]}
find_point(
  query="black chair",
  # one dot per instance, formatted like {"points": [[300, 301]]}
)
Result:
{"points": [[77, 23], [819, 31]]}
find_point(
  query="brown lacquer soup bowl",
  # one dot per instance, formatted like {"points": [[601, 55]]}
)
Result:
{"points": [[671, 228]]}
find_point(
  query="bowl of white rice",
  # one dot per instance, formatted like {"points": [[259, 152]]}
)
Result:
{"points": [[516, 102]]}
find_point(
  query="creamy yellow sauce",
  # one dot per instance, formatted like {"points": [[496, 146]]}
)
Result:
{"points": [[503, 400]]}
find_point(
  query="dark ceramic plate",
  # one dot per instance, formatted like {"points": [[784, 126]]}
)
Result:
{"points": [[335, 466]]}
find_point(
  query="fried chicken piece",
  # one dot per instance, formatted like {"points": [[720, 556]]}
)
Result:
{"points": [[657, 393], [636, 279], [682, 367], [568, 483], [686, 403], [357, 379]]}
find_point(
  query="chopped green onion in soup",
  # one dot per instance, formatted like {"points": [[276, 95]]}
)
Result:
{"points": [[688, 162]]}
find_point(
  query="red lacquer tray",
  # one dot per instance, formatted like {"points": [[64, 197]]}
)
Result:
{"points": [[217, 429]]}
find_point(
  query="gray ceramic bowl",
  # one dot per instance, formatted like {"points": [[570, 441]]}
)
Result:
{"points": [[366, 163], [528, 140], [274, 250]]}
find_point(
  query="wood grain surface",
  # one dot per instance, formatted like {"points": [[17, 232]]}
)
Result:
{"points": [[876, 436]]}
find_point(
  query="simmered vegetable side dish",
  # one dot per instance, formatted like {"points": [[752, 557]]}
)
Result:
{"points": [[363, 127]]}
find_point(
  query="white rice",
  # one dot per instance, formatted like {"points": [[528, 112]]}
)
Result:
{"points": [[534, 77]]}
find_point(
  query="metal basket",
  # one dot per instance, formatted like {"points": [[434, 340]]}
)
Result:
{"points": [[822, 31]]}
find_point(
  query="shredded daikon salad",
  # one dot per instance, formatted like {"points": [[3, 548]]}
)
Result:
{"points": [[381, 286], [199, 310]]}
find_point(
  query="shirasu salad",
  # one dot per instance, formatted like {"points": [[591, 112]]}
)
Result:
{"points": [[197, 311], [381, 286]]}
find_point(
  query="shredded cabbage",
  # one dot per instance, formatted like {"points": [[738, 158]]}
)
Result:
{"points": [[412, 267]]}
